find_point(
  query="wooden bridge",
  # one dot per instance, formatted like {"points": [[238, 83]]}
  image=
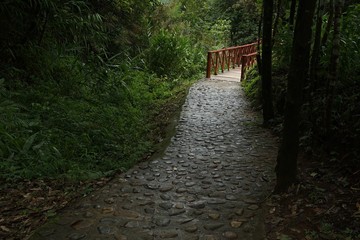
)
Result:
{"points": [[231, 63]]}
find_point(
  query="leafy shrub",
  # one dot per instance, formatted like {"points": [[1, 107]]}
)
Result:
{"points": [[171, 55], [252, 87], [282, 48]]}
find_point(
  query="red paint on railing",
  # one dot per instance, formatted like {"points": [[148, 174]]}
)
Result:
{"points": [[226, 58]]}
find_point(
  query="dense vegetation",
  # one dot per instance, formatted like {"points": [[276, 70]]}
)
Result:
{"points": [[330, 110], [82, 81], [311, 100]]}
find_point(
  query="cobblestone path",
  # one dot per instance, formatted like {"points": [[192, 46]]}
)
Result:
{"points": [[209, 184]]}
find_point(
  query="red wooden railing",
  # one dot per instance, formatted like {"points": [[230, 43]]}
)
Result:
{"points": [[242, 56]]}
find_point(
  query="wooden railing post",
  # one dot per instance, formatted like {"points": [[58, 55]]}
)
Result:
{"points": [[209, 65], [243, 65], [217, 56]]}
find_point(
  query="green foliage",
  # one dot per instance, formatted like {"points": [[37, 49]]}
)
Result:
{"points": [[76, 103], [56, 135], [244, 17], [219, 34], [345, 123], [169, 54], [252, 86], [282, 48], [173, 56], [82, 80]]}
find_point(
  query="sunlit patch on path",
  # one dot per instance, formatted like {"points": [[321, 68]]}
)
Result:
{"points": [[209, 184], [233, 75]]}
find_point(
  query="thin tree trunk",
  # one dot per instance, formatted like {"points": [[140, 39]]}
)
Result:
{"points": [[329, 23], [314, 64], [258, 55], [334, 65], [46, 18], [317, 40], [286, 168], [292, 12], [277, 19], [268, 111]]}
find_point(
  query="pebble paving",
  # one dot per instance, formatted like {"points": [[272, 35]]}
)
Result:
{"points": [[208, 185]]}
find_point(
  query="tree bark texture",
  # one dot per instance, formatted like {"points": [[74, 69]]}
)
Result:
{"points": [[334, 65], [315, 56], [292, 12], [329, 23], [317, 41], [277, 19], [268, 111], [258, 55], [286, 168]]}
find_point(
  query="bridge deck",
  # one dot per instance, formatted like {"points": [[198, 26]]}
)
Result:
{"points": [[233, 75]]}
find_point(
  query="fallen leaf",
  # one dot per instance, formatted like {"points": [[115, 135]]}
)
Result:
{"points": [[356, 214], [27, 196], [272, 210], [318, 211], [295, 230], [4, 229], [294, 210]]}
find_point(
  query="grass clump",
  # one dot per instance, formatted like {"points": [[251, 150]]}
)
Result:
{"points": [[48, 134], [252, 86]]}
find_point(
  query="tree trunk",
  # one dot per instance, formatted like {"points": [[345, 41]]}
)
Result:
{"points": [[329, 23], [317, 41], [315, 55], [258, 55], [334, 65], [286, 168], [292, 12], [268, 111], [277, 19]]}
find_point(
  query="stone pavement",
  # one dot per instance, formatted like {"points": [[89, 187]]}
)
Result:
{"points": [[209, 184]]}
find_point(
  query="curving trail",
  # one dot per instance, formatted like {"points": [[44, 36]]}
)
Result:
{"points": [[209, 184]]}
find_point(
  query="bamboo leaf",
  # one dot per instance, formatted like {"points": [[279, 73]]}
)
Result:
{"points": [[29, 142]]}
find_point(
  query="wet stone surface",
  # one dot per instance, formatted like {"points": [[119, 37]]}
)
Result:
{"points": [[208, 185]]}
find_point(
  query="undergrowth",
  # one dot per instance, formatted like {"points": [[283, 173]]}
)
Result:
{"points": [[48, 134], [252, 86]]}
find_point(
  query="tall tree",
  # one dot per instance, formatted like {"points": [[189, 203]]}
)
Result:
{"points": [[314, 62], [268, 110], [286, 168], [334, 65], [317, 40], [280, 12], [329, 23], [292, 12]]}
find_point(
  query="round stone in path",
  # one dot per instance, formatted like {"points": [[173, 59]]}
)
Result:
{"points": [[166, 205], [162, 222], [191, 229], [213, 226], [253, 207], [167, 234], [214, 216], [236, 224], [166, 188], [76, 236], [230, 235]]}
